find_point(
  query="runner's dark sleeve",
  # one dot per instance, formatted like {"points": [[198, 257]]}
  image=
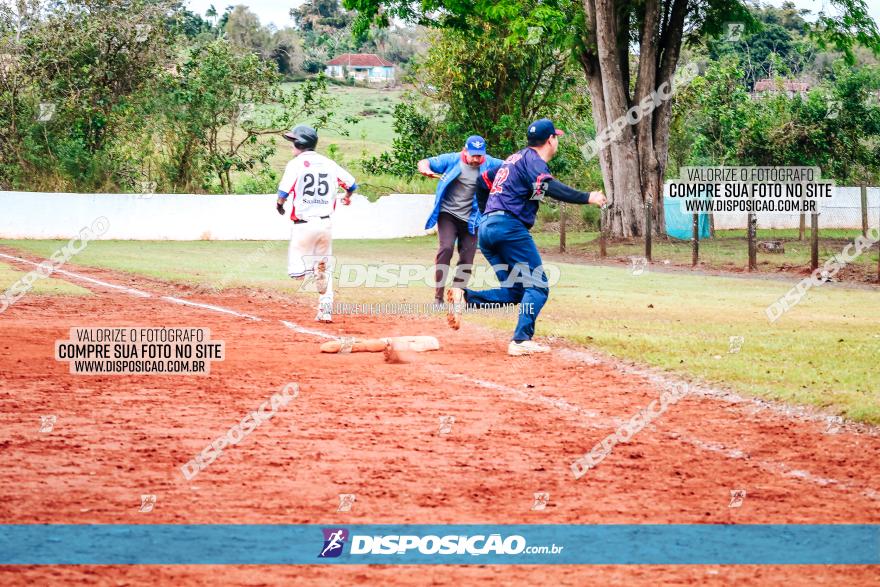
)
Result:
{"points": [[559, 191], [484, 185]]}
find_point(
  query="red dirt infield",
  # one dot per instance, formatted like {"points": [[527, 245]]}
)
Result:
{"points": [[369, 427]]}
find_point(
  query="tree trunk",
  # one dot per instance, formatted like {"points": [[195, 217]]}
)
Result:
{"points": [[651, 167], [634, 163]]}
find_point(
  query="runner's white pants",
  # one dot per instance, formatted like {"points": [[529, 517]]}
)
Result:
{"points": [[311, 242]]}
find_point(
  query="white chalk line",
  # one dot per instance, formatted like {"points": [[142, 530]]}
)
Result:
{"points": [[736, 401], [220, 309], [773, 467], [587, 417], [560, 404], [129, 290], [303, 330], [770, 466]]}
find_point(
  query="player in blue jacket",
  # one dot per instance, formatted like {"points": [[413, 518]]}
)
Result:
{"points": [[518, 187], [456, 213]]}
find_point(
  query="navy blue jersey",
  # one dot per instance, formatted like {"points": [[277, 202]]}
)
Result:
{"points": [[518, 185]]}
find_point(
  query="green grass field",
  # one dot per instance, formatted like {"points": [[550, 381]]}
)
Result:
{"points": [[729, 251], [822, 353], [10, 275], [373, 107], [370, 135]]}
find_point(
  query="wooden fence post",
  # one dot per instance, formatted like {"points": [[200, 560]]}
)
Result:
{"points": [[752, 230], [814, 242], [648, 230], [695, 239]]}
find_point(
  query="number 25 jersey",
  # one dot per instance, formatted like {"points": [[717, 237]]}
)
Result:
{"points": [[310, 181]]}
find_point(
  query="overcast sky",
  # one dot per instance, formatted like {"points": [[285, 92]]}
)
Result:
{"points": [[273, 11], [270, 11]]}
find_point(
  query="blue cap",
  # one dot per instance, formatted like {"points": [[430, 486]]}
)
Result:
{"points": [[542, 129], [475, 145]]}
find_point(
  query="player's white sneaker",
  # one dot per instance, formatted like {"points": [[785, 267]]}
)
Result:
{"points": [[526, 347], [324, 317], [321, 277], [454, 306]]}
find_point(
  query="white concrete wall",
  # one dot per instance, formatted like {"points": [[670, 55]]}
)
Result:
{"points": [[253, 217], [200, 217], [843, 211]]}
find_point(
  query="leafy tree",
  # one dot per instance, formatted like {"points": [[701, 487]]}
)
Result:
{"points": [[326, 28], [321, 16], [709, 116], [71, 81], [416, 137], [839, 125], [327, 31], [193, 26], [14, 106], [401, 45], [493, 89], [224, 18], [285, 47], [835, 127], [488, 89], [219, 104], [779, 47], [600, 33], [243, 30], [288, 52]]}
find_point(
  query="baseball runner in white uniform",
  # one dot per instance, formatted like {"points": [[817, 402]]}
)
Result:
{"points": [[310, 182]]}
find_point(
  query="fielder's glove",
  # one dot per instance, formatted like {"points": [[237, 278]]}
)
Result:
{"points": [[280, 207]]}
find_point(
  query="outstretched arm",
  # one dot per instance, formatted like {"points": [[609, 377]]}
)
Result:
{"points": [[559, 191], [424, 167]]}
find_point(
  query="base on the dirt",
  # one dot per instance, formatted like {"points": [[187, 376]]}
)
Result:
{"points": [[416, 344]]}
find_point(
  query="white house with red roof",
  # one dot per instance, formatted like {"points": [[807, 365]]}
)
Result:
{"points": [[365, 67]]}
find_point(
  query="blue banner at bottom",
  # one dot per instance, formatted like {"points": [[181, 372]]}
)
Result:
{"points": [[184, 544]]}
